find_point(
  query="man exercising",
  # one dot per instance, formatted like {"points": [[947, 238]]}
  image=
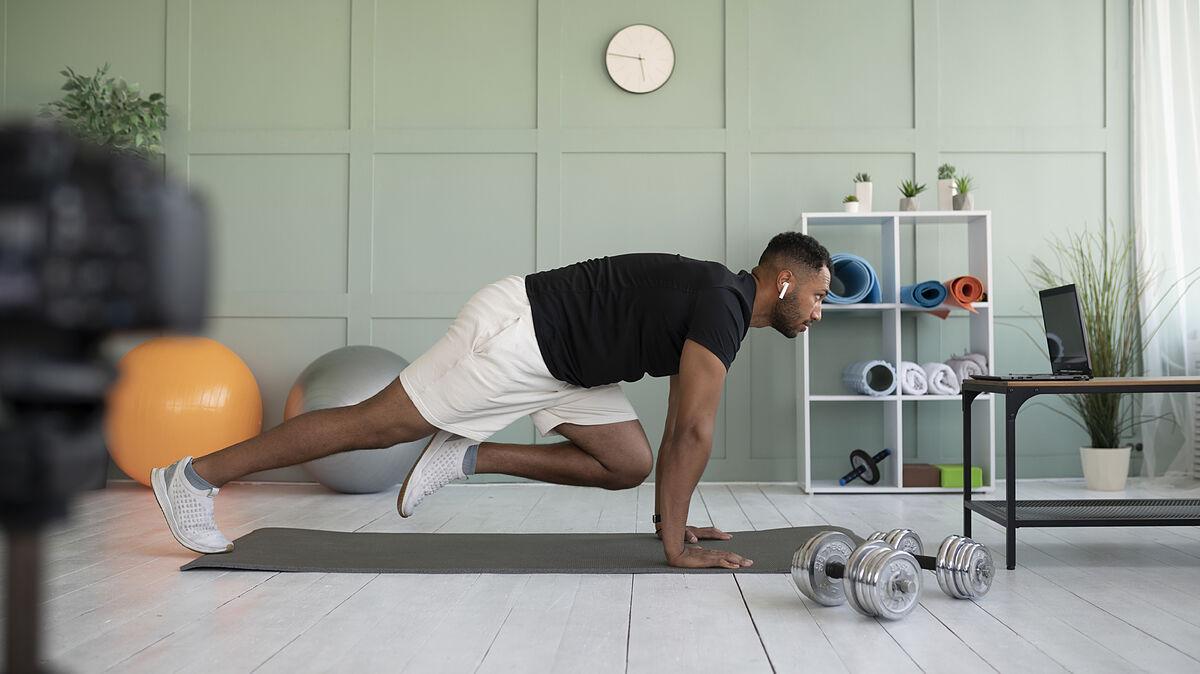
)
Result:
{"points": [[553, 345]]}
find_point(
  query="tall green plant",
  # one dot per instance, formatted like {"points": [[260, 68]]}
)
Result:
{"points": [[111, 112], [1111, 282]]}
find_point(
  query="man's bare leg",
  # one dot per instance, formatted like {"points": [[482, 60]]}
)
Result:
{"points": [[383, 420], [613, 456]]}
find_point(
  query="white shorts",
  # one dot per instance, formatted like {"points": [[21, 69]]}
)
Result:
{"points": [[487, 372]]}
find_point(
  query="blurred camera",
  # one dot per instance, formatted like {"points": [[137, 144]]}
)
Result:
{"points": [[92, 242]]}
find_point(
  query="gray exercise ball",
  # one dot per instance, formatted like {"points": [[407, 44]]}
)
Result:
{"points": [[342, 377]]}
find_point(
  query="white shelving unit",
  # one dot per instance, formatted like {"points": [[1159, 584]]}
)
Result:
{"points": [[978, 258]]}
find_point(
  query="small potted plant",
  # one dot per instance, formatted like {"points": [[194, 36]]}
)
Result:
{"points": [[862, 190], [910, 189], [850, 203], [964, 200], [945, 187]]}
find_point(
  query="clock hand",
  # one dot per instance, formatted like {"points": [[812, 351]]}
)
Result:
{"points": [[625, 55], [642, 63]]}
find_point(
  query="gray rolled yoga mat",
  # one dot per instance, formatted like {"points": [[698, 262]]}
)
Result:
{"points": [[279, 549]]}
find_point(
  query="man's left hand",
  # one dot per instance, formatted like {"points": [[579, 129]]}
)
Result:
{"points": [[694, 534]]}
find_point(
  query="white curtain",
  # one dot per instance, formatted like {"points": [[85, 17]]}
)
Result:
{"points": [[1166, 213]]}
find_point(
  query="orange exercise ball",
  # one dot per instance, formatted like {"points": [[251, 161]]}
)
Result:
{"points": [[177, 397]]}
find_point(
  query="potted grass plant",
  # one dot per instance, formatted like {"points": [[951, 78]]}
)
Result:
{"points": [[850, 203], [945, 187], [862, 191], [909, 190], [1111, 282], [964, 199], [110, 112]]}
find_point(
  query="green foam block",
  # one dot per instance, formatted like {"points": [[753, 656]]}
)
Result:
{"points": [[952, 475]]}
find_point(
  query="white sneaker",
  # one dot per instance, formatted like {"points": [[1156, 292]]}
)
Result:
{"points": [[440, 463], [189, 511]]}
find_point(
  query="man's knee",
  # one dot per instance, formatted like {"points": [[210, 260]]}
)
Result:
{"points": [[375, 430], [632, 473], [390, 418]]}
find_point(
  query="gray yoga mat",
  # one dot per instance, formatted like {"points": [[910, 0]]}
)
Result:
{"points": [[280, 549]]}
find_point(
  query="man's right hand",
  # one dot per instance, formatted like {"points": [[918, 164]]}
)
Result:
{"points": [[696, 557]]}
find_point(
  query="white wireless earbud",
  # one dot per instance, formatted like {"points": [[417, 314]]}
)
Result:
{"points": [[784, 291]]}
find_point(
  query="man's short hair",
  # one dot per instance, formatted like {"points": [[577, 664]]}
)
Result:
{"points": [[796, 248]]}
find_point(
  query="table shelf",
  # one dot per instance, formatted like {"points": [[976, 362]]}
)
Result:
{"points": [[1094, 512]]}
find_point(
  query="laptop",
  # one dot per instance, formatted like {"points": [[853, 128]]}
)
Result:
{"points": [[1066, 339]]}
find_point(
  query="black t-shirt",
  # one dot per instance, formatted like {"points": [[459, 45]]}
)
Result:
{"points": [[618, 318]]}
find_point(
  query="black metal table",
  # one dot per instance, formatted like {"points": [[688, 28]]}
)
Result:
{"points": [[1012, 514]]}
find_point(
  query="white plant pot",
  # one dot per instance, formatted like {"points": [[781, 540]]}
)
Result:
{"points": [[1105, 469], [863, 192], [850, 206], [909, 204], [964, 202], [946, 194]]}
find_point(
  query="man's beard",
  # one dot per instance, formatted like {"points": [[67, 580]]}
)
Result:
{"points": [[784, 317]]}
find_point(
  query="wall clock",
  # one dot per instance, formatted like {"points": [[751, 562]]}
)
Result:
{"points": [[639, 58]]}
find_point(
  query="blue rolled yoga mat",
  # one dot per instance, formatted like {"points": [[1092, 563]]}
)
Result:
{"points": [[854, 281], [926, 294]]}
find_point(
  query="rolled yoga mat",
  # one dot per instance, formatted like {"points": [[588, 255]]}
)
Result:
{"points": [[942, 380], [913, 380], [927, 294], [280, 549], [870, 377], [854, 280], [963, 291]]}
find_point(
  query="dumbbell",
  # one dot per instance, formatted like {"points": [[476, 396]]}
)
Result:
{"points": [[830, 570], [876, 579], [964, 568]]}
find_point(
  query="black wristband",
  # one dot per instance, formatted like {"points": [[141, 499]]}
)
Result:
{"points": [[656, 519]]}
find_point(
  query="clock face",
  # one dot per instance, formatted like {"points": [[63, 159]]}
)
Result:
{"points": [[639, 58]]}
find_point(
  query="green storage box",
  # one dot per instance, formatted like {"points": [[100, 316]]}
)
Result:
{"points": [[952, 475]]}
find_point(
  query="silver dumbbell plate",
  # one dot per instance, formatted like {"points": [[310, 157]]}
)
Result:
{"points": [[964, 568], [882, 581], [901, 539], [808, 567], [855, 566]]}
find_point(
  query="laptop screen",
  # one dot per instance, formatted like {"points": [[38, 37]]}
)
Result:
{"points": [[1065, 338]]}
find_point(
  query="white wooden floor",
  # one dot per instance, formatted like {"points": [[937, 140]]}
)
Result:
{"points": [[1086, 600]]}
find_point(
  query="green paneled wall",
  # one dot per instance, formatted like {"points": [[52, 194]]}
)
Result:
{"points": [[372, 163]]}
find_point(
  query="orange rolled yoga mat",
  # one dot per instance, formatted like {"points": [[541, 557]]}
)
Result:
{"points": [[963, 291]]}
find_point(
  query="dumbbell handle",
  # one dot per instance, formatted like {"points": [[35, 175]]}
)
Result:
{"points": [[835, 569], [838, 570]]}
